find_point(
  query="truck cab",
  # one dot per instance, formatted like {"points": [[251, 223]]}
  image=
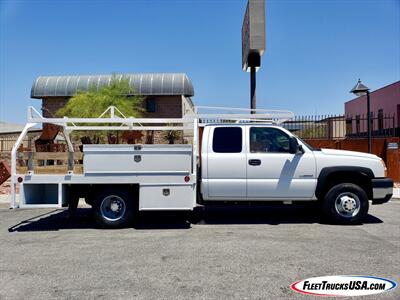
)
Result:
{"points": [[264, 162], [256, 162]]}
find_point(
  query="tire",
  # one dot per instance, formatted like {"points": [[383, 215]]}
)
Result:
{"points": [[345, 203], [114, 208], [73, 202]]}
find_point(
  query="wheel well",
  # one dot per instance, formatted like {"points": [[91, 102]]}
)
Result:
{"points": [[358, 178], [90, 191]]}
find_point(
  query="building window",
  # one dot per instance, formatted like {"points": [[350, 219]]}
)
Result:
{"points": [[380, 120], [398, 116], [151, 105], [358, 124]]}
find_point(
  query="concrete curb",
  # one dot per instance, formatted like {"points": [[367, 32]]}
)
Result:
{"points": [[396, 193]]}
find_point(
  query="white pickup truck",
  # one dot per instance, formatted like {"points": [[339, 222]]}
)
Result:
{"points": [[234, 157]]}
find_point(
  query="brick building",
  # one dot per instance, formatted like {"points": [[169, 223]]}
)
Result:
{"points": [[167, 95], [385, 109]]}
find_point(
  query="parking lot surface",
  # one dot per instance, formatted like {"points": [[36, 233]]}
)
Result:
{"points": [[222, 253]]}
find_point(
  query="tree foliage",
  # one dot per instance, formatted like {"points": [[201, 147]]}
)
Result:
{"points": [[172, 136], [92, 103]]}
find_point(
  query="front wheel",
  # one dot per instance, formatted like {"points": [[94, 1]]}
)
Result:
{"points": [[113, 208], [345, 203]]}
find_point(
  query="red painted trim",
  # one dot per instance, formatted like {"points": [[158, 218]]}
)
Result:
{"points": [[293, 287]]}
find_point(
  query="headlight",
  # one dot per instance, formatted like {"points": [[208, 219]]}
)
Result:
{"points": [[384, 167]]}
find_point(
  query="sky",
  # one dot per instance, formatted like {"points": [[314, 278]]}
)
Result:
{"points": [[315, 50]]}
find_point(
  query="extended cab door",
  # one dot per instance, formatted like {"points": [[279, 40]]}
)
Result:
{"points": [[226, 163], [272, 172]]}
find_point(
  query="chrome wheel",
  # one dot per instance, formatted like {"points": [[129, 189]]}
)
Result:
{"points": [[347, 205], [112, 208]]}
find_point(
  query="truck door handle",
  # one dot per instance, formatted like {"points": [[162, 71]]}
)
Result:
{"points": [[254, 162]]}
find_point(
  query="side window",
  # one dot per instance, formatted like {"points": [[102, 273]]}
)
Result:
{"points": [[268, 140], [227, 140]]}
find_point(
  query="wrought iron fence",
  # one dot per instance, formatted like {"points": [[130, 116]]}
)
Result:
{"points": [[7, 142], [340, 126]]}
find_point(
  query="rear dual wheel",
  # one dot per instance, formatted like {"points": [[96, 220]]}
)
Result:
{"points": [[114, 208]]}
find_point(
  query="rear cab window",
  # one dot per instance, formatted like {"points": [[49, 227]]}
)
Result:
{"points": [[227, 140]]}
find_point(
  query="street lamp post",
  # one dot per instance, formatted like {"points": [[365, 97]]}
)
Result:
{"points": [[361, 90], [369, 123]]}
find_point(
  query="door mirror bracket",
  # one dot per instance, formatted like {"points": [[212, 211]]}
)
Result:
{"points": [[300, 149], [294, 146]]}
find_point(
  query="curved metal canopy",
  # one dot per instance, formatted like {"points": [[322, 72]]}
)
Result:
{"points": [[143, 84]]}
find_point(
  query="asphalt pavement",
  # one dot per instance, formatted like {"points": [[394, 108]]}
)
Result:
{"points": [[221, 253]]}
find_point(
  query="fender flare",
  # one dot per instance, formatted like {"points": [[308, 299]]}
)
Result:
{"points": [[325, 172]]}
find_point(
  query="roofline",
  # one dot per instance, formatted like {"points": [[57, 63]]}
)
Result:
{"points": [[67, 85], [359, 97], [130, 95]]}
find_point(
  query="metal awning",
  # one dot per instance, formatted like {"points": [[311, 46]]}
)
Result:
{"points": [[143, 84]]}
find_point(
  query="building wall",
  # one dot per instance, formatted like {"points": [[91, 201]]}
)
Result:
{"points": [[166, 106], [337, 128], [386, 98], [51, 105], [187, 105]]}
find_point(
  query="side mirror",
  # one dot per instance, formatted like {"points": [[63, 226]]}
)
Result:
{"points": [[294, 146]]}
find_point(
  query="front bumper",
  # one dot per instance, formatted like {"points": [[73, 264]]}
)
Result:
{"points": [[382, 190]]}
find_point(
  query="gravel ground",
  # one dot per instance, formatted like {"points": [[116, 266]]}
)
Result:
{"points": [[224, 253]]}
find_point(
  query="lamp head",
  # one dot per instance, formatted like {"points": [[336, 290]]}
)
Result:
{"points": [[359, 89]]}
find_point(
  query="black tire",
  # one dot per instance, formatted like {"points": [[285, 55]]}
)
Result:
{"points": [[73, 202], [345, 203], [114, 208]]}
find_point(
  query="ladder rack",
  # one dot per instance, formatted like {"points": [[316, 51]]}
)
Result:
{"points": [[114, 119], [217, 114]]}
